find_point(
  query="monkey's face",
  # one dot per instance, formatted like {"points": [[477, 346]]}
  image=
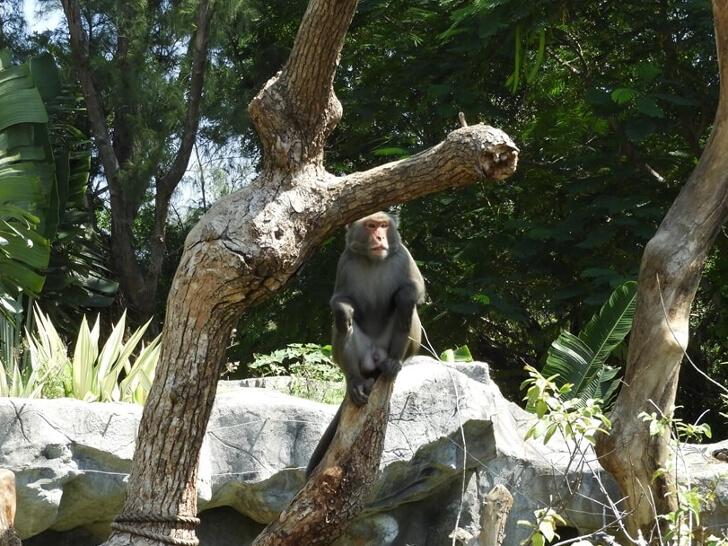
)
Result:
{"points": [[374, 237], [377, 229]]}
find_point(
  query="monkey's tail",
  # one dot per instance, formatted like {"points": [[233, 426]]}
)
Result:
{"points": [[324, 443]]}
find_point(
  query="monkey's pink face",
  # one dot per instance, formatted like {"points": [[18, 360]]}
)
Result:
{"points": [[378, 242]]}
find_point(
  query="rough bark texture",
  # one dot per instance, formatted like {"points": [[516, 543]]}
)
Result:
{"points": [[246, 247], [669, 275], [139, 286], [7, 509], [336, 491], [497, 506]]}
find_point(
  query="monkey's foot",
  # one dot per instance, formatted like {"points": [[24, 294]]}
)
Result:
{"points": [[390, 367], [359, 394]]}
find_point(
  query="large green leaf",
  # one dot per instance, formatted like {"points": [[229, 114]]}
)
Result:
{"points": [[571, 359], [21, 106], [581, 360], [28, 193], [44, 172], [610, 326]]}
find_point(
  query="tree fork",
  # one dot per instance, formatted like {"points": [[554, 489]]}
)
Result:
{"points": [[252, 242]]}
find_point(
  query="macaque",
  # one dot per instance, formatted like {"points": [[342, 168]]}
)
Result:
{"points": [[374, 306]]}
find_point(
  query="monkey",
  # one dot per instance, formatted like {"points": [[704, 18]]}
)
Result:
{"points": [[374, 306]]}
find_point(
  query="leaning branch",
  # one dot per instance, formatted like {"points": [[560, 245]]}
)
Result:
{"points": [[338, 488], [468, 154]]}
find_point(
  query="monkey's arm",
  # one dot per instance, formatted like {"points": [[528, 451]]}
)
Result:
{"points": [[342, 307]]}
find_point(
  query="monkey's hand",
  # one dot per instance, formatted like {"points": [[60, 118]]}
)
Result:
{"points": [[359, 391], [390, 367]]}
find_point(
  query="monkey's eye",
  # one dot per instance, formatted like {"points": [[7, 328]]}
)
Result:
{"points": [[371, 225]]}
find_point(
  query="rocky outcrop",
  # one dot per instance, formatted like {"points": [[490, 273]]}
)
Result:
{"points": [[451, 438]]}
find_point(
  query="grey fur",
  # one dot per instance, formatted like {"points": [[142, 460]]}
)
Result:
{"points": [[374, 306]]}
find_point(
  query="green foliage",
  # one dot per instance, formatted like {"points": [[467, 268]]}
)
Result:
{"points": [[314, 374], [544, 528], [117, 371], [49, 249], [581, 361], [691, 499], [459, 354], [28, 189], [559, 413], [661, 425]]}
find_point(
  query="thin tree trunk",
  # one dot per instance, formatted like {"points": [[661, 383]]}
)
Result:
{"points": [[245, 248], [497, 506], [8, 537], [138, 286], [336, 491], [669, 276]]}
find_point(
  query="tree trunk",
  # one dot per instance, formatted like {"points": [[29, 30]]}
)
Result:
{"points": [[669, 275], [497, 506], [8, 537], [245, 248], [138, 286], [336, 491]]}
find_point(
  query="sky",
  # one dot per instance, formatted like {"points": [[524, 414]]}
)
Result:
{"points": [[40, 24]]}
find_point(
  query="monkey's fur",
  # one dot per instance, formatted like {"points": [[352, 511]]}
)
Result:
{"points": [[374, 306]]}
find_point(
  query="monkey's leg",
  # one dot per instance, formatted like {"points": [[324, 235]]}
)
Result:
{"points": [[343, 311], [402, 323], [355, 347]]}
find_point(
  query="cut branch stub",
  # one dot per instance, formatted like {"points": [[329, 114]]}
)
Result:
{"points": [[337, 489]]}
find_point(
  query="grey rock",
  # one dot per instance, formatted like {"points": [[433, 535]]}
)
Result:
{"points": [[451, 438]]}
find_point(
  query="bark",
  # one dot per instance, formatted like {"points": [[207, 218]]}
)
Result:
{"points": [[138, 286], [244, 249], [8, 537], [669, 275], [496, 508], [336, 491]]}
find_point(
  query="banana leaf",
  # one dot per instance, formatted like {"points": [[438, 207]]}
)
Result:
{"points": [[581, 360]]}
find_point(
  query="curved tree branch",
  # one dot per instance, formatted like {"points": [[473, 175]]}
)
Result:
{"points": [[468, 154], [669, 276], [252, 242]]}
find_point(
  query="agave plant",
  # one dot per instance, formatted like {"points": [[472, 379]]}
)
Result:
{"points": [[581, 360], [106, 374]]}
